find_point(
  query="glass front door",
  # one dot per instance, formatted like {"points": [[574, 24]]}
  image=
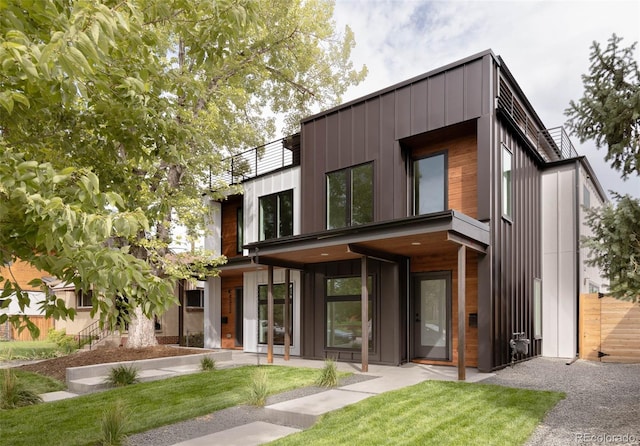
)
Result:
{"points": [[432, 315]]}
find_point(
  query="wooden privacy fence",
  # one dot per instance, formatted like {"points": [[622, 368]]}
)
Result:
{"points": [[609, 329], [43, 323]]}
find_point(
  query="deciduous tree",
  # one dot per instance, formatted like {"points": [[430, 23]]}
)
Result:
{"points": [[152, 94]]}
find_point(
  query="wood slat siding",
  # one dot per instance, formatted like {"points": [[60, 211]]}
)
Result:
{"points": [[43, 323], [229, 226], [370, 130], [228, 309], [610, 326], [461, 145], [448, 261]]}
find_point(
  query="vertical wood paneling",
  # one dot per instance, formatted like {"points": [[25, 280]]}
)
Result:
{"points": [[43, 323], [229, 228], [22, 273], [228, 309]]}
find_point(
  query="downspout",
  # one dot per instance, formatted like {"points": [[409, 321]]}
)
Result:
{"points": [[409, 311], [578, 265]]}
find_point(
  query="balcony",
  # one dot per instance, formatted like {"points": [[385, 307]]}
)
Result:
{"points": [[261, 160], [551, 144]]}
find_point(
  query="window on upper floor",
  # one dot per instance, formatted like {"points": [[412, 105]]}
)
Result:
{"points": [[507, 180], [239, 229], [586, 197], [350, 196], [430, 184], [276, 215]]}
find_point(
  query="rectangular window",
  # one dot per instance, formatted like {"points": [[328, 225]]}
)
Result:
{"points": [[507, 179], [350, 196], [586, 197], [195, 298], [430, 184], [84, 299], [344, 313], [239, 229], [593, 288], [537, 308], [278, 313], [276, 215]]}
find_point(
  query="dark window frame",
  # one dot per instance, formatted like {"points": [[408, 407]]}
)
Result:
{"points": [[445, 189], [279, 301], [277, 196], [189, 294], [348, 204], [239, 229], [80, 299], [506, 189], [351, 298]]}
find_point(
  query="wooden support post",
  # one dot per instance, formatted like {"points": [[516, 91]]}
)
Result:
{"points": [[287, 315], [270, 314], [462, 323], [365, 315]]}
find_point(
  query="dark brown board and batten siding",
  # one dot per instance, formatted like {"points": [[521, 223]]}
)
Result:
{"points": [[369, 130]]}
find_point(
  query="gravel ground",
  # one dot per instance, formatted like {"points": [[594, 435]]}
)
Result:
{"points": [[602, 406], [224, 419]]}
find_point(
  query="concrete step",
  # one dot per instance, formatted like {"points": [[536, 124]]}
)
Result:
{"points": [[92, 378]]}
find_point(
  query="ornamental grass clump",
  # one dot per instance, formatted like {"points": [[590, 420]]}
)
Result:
{"points": [[258, 388], [13, 395], [207, 363], [122, 375], [113, 425], [328, 375]]}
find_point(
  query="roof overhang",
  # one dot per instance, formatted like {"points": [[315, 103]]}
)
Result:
{"points": [[389, 241]]}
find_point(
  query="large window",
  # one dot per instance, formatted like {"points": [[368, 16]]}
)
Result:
{"points": [[276, 215], [344, 313], [430, 184], [278, 313], [507, 179], [350, 196]]}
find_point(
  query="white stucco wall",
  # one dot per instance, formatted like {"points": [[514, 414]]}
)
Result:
{"points": [[251, 282], [559, 270]]}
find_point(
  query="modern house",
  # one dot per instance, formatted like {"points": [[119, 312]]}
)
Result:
{"points": [[433, 221]]}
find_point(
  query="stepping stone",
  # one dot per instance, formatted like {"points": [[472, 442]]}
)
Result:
{"points": [[251, 434]]}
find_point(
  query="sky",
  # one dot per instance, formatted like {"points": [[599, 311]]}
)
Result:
{"points": [[545, 45]]}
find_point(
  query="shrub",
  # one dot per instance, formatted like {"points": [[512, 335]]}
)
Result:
{"points": [[259, 388], [12, 395], [66, 344], [207, 363], [113, 425], [195, 340], [122, 375], [328, 375]]}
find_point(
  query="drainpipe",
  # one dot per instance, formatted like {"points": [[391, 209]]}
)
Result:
{"points": [[409, 312], [578, 265]]}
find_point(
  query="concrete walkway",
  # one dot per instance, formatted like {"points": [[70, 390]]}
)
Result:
{"points": [[305, 411]]}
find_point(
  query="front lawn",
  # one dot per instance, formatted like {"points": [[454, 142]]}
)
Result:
{"points": [[434, 413], [35, 382], [76, 421], [10, 350]]}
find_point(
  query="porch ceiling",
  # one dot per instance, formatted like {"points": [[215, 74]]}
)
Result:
{"points": [[391, 241]]}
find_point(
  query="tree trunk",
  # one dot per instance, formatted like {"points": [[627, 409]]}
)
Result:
{"points": [[142, 331]]}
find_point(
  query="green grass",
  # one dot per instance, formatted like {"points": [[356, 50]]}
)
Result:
{"points": [[76, 421], [38, 383], [27, 350], [434, 412]]}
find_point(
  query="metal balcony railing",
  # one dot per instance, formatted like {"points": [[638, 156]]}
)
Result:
{"points": [[260, 160], [552, 144]]}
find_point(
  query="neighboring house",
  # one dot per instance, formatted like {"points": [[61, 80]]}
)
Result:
{"points": [[22, 273], [167, 325], [446, 191]]}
